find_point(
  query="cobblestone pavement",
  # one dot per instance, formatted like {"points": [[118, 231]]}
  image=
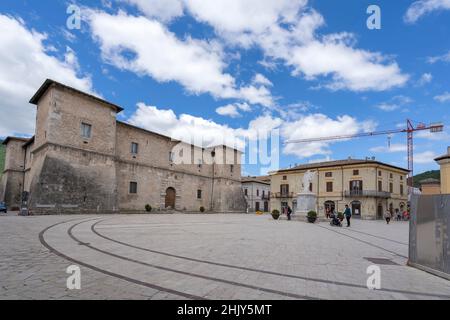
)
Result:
{"points": [[206, 257]]}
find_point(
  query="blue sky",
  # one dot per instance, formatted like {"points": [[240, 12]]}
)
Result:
{"points": [[233, 68]]}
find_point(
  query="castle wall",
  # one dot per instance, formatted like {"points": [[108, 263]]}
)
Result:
{"points": [[73, 180]]}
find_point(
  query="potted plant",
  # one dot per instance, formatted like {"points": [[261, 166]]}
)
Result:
{"points": [[275, 214], [312, 216], [148, 208]]}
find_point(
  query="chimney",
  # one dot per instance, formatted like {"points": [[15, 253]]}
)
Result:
{"points": [[448, 151]]}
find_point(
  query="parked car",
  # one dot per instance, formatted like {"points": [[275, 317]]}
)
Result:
{"points": [[3, 207]]}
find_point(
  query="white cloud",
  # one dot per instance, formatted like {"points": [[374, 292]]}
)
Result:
{"points": [[388, 107], [445, 97], [423, 7], [25, 63], [147, 47], [393, 148], [262, 80], [424, 79], [164, 10], [433, 136], [232, 110], [425, 157], [444, 58], [190, 128], [286, 31], [394, 103], [316, 126]]}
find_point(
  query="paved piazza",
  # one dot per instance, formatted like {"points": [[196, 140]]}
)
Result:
{"points": [[206, 257]]}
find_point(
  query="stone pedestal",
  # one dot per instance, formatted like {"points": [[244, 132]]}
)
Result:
{"points": [[306, 202]]}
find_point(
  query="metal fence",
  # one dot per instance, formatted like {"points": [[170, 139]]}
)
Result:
{"points": [[429, 243]]}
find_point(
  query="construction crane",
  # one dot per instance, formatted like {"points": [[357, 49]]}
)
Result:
{"points": [[409, 130]]}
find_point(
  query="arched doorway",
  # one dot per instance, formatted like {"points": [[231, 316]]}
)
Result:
{"points": [[170, 198]]}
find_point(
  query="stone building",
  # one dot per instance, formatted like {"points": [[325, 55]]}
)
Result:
{"points": [[82, 159], [257, 193], [444, 162], [369, 187], [430, 186]]}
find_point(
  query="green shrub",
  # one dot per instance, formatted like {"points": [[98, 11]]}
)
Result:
{"points": [[312, 215], [202, 209], [276, 214], [148, 208]]}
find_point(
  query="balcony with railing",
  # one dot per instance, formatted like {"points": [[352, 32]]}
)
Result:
{"points": [[283, 195], [367, 193]]}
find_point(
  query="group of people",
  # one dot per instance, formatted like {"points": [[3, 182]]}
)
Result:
{"points": [[331, 214], [399, 216]]}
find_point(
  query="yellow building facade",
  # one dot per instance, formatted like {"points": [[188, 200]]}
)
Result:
{"points": [[444, 162], [369, 187]]}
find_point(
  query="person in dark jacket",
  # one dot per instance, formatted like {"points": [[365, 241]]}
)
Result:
{"points": [[348, 215], [289, 212]]}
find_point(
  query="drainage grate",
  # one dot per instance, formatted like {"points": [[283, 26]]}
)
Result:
{"points": [[382, 261]]}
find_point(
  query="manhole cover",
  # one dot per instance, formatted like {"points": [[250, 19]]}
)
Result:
{"points": [[382, 261]]}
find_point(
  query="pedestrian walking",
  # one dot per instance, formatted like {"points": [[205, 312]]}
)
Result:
{"points": [[388, 216], [289, 212], [398, 214], [348, 215]]}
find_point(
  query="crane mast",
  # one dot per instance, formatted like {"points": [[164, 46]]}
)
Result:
{"points": [[409, 130]]}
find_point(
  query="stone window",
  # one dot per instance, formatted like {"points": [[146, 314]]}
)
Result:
{"points": [[401, 189], [199, 194], [380, 186], [133, 187], [246, 192], [257, 192], [171, 156], [86, 130], [134, 148], [379, 173], [231, 168], [356, 172], [329, 186], [401, 178], [284, 178], [328, 174], [391, 187], [391, 176]]}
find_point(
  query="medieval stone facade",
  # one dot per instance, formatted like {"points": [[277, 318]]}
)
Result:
{"points": [[82, 159]]}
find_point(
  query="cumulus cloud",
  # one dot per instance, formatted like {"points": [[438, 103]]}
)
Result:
{"points": [[164, 10], [25, 63], [147, 47], [423, 7], [316, 126], [189, 128], [286, 32], [232, 110]]}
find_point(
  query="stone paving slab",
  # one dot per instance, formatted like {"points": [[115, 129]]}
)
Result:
{"points": [[206, 256]]}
